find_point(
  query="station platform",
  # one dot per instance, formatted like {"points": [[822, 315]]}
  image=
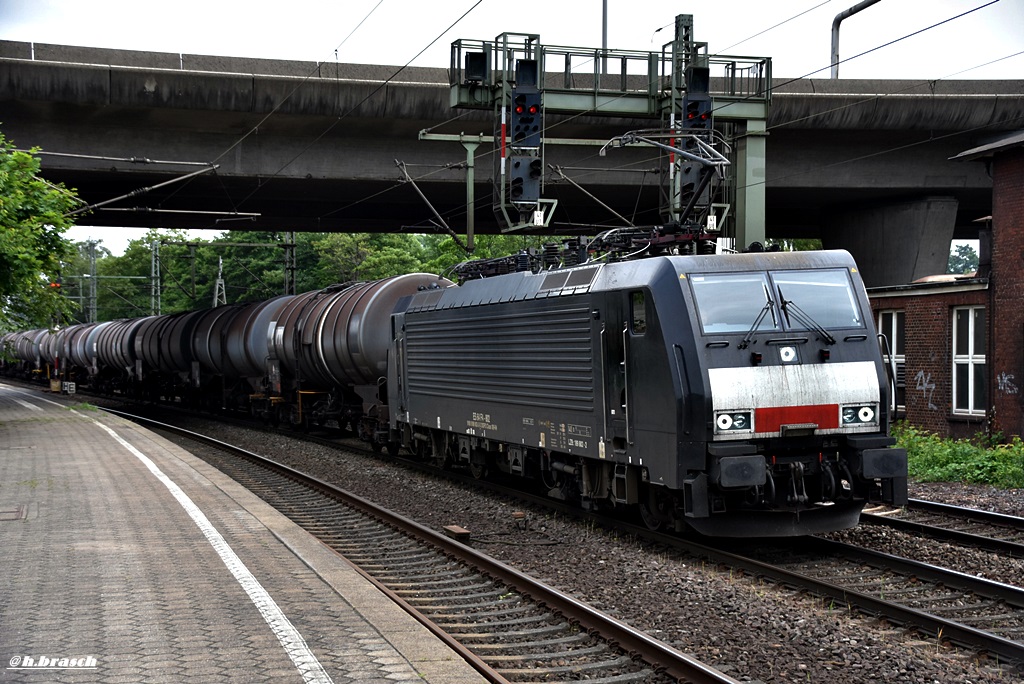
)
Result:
{"points": [[124, 558]]}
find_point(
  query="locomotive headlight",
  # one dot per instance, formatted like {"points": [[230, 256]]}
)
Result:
{"points": [[859, 415], [733, 421]]}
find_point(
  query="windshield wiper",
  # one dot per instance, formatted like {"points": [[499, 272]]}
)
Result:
{"points": [[789, 308], [768, 306]]}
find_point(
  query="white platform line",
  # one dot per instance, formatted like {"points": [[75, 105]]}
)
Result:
{"points": [[291, 640]]}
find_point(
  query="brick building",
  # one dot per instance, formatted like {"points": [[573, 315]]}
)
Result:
{"points": [[959, 341]]}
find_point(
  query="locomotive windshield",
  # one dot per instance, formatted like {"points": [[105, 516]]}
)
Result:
{"points": [[825, 296], [736, 302], [733, 302]]}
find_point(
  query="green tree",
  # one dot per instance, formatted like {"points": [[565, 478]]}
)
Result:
{"points": [[344, 257], [33, 219], [77, 278], [252, 273], [962, 259]]}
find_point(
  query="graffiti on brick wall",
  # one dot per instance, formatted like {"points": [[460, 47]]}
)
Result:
{"points": [[1005, 383], [926, 387]]}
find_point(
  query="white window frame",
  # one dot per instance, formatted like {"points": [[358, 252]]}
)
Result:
{"points": [[974, 359], [899, 359]]}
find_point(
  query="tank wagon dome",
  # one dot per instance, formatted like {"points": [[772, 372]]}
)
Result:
{"points": [[247, 337], [82, 346], [341, 335], [115, 345], [176, 342], [208, 336], [26, 345]]}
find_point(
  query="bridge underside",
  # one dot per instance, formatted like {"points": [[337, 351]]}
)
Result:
{"points": [[319, 154]]}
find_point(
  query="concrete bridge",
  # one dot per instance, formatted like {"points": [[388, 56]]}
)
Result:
{"points": [[306, 146]]}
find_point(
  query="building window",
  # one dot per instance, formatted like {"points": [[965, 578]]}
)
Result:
{"points": [[892, 324], [970, 394]]}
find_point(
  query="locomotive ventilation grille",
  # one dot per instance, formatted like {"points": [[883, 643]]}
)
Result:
{"points": [[540, 358]]}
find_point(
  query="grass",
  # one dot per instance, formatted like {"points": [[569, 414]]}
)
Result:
{"points": [[982, 460]]}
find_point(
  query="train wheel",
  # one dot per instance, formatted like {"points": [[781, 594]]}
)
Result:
{"points": [[654, 509], [652, 521], [478, 461]]}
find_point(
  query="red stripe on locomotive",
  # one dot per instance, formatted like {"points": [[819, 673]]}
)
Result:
{"points": [[825, 416]]}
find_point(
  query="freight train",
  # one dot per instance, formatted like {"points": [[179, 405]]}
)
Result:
{"points": [[737, 395]]}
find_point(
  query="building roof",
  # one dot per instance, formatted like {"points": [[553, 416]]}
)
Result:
{"points": [[933, 285], [986, 151]]}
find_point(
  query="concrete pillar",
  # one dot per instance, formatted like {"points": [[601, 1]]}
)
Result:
{"points": [[894, 244], [750, 183]]}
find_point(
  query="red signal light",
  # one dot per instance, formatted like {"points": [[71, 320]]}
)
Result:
{"points": [[55, 285], [534, 109], [519, 109]]}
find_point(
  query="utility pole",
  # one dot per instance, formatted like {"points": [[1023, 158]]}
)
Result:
{"points": [[220, 296], [91, 311], [154, 265]]}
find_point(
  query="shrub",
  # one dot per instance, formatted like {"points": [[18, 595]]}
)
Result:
{"points": [[933, 459]]}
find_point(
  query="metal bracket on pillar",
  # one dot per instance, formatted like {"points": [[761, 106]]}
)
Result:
{"points": [[471, 143], [540, 213]]}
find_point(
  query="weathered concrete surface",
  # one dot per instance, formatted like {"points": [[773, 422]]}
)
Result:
{"points": [[313, 146]]}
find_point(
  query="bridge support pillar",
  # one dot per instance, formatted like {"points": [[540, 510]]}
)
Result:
{"points": [[750, 177], [895, 244]]}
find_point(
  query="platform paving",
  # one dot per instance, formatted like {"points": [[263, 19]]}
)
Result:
{"points": [[108, 574]]}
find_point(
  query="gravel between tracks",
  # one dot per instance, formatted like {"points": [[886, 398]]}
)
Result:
{"points": [[754, 630]]}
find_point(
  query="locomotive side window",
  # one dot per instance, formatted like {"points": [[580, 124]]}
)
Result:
{"points": [[638, 312], [826, 297], [733, 302]]}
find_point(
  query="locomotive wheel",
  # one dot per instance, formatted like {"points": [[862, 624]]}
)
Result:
{"points": [[478, 462], [652, 521], [439, 454], [653, 510]]}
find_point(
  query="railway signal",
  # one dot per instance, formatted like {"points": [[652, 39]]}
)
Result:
{"points": [[524, 179], [527, 124]]}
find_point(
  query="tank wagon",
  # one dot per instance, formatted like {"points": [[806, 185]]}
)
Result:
{"points": [[735, 395]]}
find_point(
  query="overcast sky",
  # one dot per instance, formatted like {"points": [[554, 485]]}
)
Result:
{"points": [[987, 43]]}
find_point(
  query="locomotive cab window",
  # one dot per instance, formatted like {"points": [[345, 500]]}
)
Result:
{"points": [[823, 297], [733, 302], [638, 313]]}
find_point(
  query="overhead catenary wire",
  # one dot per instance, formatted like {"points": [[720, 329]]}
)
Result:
{"points": [[354, 107]]}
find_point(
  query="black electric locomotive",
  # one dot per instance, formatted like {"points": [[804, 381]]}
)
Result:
{"points": [[738, 395]]}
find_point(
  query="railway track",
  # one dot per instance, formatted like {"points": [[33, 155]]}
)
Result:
{"points": [[985, 530], [950, 607], [947, 605], [511, 627]]}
